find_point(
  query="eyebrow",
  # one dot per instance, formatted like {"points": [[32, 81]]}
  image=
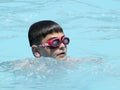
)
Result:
{"points": [[55, 37]]}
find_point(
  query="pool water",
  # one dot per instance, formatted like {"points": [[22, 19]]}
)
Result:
{"points": [[94, 30]]}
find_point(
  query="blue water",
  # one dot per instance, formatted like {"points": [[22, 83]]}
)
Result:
{"points": [[94, 30]]}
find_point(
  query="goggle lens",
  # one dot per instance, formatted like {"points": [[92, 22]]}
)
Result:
{"points": [[55, 43], [66, 40]]}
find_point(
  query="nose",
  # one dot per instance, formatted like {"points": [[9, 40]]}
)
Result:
{"points": [[62, 46]]}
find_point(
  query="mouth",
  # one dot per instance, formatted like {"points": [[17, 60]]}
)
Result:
{"points": [[62, 54]]}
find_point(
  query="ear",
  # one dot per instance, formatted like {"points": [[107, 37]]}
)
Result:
{"points": [[35, 51]]}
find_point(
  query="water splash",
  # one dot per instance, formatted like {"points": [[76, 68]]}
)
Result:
{"points": [[47, 73]]}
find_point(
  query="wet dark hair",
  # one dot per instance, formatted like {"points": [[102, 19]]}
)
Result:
{"points": [[39, 30]]}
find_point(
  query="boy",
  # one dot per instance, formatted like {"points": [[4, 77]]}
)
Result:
{"points": [[47, 39]]}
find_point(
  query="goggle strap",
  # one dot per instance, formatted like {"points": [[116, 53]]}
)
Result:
{"points": [[44, 45]]}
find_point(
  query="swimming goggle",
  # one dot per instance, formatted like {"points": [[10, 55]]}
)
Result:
{"points": [[55, 42]]}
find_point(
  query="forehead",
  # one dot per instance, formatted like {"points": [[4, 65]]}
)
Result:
{"points": [[49, 36]]}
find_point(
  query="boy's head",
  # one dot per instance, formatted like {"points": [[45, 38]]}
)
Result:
{"points": [[47, 39]]}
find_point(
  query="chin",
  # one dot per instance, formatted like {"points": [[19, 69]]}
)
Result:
{"points": [[61, 58]]}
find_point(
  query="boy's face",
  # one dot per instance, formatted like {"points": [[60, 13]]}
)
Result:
{"points": [[58, 53]]}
